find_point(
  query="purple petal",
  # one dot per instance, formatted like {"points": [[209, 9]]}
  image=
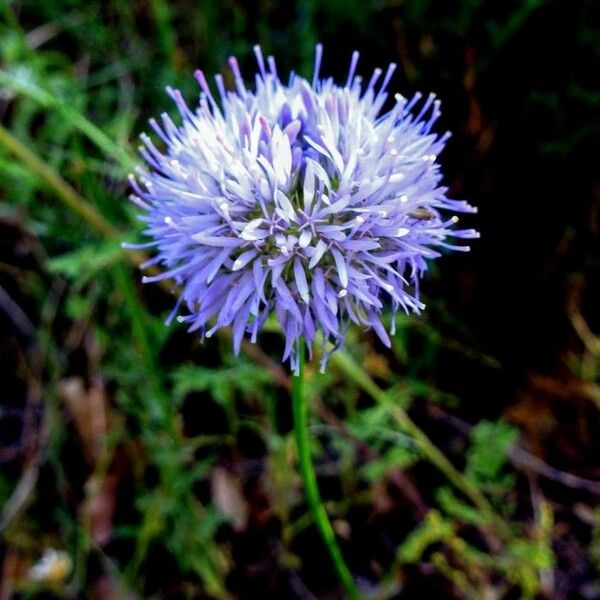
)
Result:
{"points": [[300, 277], [340, 263]]}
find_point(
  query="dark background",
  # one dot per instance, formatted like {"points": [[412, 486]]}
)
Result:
{"points": [[164, 468]]}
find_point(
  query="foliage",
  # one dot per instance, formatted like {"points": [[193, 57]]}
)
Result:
{"points": [[163, 466]]}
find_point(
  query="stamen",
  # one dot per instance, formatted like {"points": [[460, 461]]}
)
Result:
{"points": [[235, 69], [318, 58], [352, 70], [260, 61]]}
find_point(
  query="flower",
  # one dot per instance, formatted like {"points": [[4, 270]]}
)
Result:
{"points": [[54, 567], [300, 200]]}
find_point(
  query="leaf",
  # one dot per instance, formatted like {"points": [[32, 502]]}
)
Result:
{"points": [[455, 507], [532, 553], [397, 457], [222, 384], [228, 497], [83, 264], [88, 410], [434, 528], [491, 442]]}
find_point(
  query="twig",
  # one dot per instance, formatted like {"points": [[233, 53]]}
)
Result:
{"points": [[589, 339], [396, 476], [16, 314], [543, 523], [36, 438], [74, 201], [355, 372], [21, 493], [67, 194], [72, 117], [523, 460], [278, 373]]}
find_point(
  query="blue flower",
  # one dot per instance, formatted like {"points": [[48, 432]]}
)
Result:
{"points": [[300, 200]]}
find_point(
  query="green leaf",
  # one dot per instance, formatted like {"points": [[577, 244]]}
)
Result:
{"points": [[86, 262], [532, 553], [454, 506], [397, 457], [222, 384], [434, 528], [491, 442]]}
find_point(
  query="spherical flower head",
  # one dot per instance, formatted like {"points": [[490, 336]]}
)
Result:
{"points": [[300, 200]]}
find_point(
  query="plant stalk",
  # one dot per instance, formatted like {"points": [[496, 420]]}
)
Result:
{"points": [[357, 374], [307, 471]]}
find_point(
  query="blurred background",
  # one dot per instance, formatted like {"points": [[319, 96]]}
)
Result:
{"points": [[136, 462]]}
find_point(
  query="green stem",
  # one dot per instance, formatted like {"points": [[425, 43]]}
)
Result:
{"points": [[307, 470], [71, 116], [354, 372], [62, 189], [67, 194], [161, 13]]}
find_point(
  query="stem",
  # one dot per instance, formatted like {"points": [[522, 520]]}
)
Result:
{"points": [[353, 371], [69, 197], [307, 470], [102, 141], [161, 13], [62, 189]]}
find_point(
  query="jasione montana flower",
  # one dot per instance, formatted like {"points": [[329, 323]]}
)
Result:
{"points": [[297, 199]]}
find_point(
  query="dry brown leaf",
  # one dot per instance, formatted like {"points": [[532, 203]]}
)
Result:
{"points": [[99, 508], [228, 497], [87, 408]]}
